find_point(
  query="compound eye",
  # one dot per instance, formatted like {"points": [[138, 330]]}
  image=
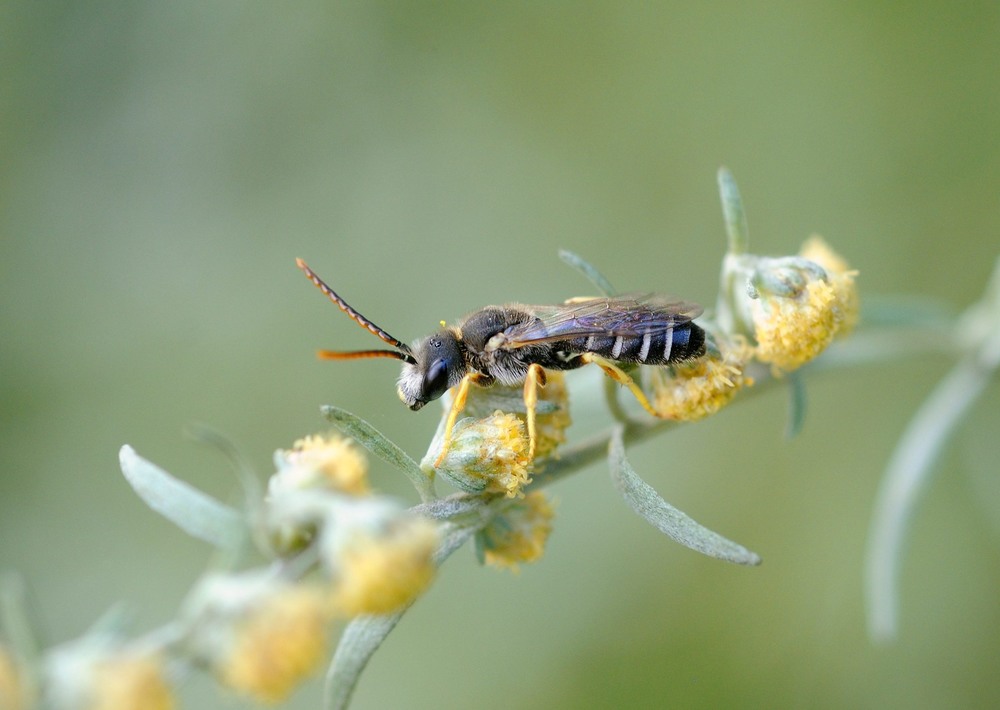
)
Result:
{"points": [[436, 380]]}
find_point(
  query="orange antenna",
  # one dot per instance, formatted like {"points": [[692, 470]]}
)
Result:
{"points": [[402, 351], [359, 354]]}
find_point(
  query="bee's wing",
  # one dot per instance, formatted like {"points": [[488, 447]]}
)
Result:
{"points": [[627, 315]]}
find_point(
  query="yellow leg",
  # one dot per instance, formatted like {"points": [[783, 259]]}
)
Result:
{"points": [[457, 405], [534, 380], [622, 378]]}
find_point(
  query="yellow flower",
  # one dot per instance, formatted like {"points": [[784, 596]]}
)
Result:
{"points": [[322, 461], [803, 306], [275, 643], [841, 277], [792, 331], [519, 534], [131, 681], [488, 455], [552, 410], [550, 428], [13, 694], [380, 571], [700, 387], [98, 672]]}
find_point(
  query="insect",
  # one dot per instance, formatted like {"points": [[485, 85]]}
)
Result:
{"points": [[514, 344]]}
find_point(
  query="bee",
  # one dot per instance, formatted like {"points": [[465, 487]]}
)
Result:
{"points": [[514, 344]]}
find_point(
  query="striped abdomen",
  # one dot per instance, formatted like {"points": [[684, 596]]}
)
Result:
{"points": [[683, 342]]}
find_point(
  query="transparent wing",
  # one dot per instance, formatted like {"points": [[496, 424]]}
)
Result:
{"points": [[627, 315]]}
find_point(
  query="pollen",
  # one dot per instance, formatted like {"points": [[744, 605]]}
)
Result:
{"points": [[792, 330], [550, 428], [277, 644], [131, 682], [519, 534], [330, 461], [701, 387], [841, 277], [381, 574], [489, 455]]}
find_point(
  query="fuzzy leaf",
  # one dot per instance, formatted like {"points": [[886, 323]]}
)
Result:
{"points": [[667, 519], [588, 270], [376, 442], [194, 512], [907, 475], [359, 641], [732, 212], [249, 483]]}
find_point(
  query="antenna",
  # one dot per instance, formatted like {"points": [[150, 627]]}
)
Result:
{"points": [[404, 353]]}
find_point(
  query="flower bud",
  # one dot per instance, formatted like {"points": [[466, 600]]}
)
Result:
{"points": [[698, 388], [518, 535], [797, 307], [331, 462], [486, 455], [96, 673], [841, 278], [380, 558], [260, 635], [551, 411]]}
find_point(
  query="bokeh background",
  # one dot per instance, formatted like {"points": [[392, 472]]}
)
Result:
{"points": [[162, 164]]}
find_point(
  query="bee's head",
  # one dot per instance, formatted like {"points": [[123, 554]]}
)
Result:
{"points": [[439, 365], [430, 367]]}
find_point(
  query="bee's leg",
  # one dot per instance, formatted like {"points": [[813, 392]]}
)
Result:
{"points": [[534, 380], [621, 377], [457, 405]]}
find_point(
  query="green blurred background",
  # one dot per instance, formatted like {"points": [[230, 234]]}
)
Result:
{"points": [[162, 164]]}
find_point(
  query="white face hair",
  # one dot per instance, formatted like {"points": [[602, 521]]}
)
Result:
{"points": [[408, 386], [440, 365]]}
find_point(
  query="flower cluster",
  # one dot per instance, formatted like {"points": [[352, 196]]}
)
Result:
{"points": [[488, 455], [488, 451], [518, 534], [318, 462], [378, 556], [698, 388], [260, 635], [791, 307], [336, 551]]}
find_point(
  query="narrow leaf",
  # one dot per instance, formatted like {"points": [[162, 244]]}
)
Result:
{"points": [[245, 476], [735, 218], [358, 643], [905, 478], [194, 512], [667, 519], [380, 445], [797, 401], [588, 270]]}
